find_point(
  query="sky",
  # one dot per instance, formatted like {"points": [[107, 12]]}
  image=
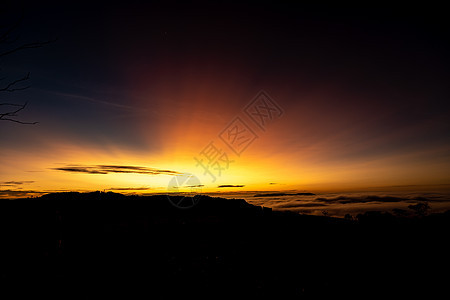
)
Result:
{"points": [[245, 96]]}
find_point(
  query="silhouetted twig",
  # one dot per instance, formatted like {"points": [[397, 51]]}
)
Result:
{"points": [[37, 44], [6, 116], [10, 86], [6, 39]]}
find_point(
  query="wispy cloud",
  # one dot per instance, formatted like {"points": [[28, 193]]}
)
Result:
{"points": [[96, 100], [19, 193], [230, 185], [299, 205], [15, 183], [354, 203], [129, 188], [373, 198], [106, 169]]}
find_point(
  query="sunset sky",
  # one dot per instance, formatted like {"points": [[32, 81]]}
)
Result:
{"points": [[130, 95]]}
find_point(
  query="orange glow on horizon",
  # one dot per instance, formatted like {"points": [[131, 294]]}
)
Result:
{"points": [[295, 152]]}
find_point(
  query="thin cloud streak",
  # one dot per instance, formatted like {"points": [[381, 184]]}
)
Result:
{"points": [[129, 188], [15, 183], [19, 193], [106, 169], [230, 186], [94, 100]]}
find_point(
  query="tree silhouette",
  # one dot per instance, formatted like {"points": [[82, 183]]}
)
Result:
{"points": [[8, 46]]}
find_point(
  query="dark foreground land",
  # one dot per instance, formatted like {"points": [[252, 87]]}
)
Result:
{"points": [[109, 246]]}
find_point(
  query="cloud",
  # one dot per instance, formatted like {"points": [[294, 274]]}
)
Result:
{"points": [[19, 193], [229, 185], [283, 194], [299, 205], [355, 203], [129, 188], [15, 183], [363, 199], [379, 199], [106, 169], [95, 100]]}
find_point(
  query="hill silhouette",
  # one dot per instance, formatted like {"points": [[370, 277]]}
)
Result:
{"points": [[107, 245]]}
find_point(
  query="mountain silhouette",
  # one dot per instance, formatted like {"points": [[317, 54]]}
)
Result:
{"points": [[107, 245]]}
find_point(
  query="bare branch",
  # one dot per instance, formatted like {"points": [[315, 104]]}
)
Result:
{"points": [[13, 113], [37, 44], [5, 37], [11, 104], [10, 87], [8, 37], [17, 121]]}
